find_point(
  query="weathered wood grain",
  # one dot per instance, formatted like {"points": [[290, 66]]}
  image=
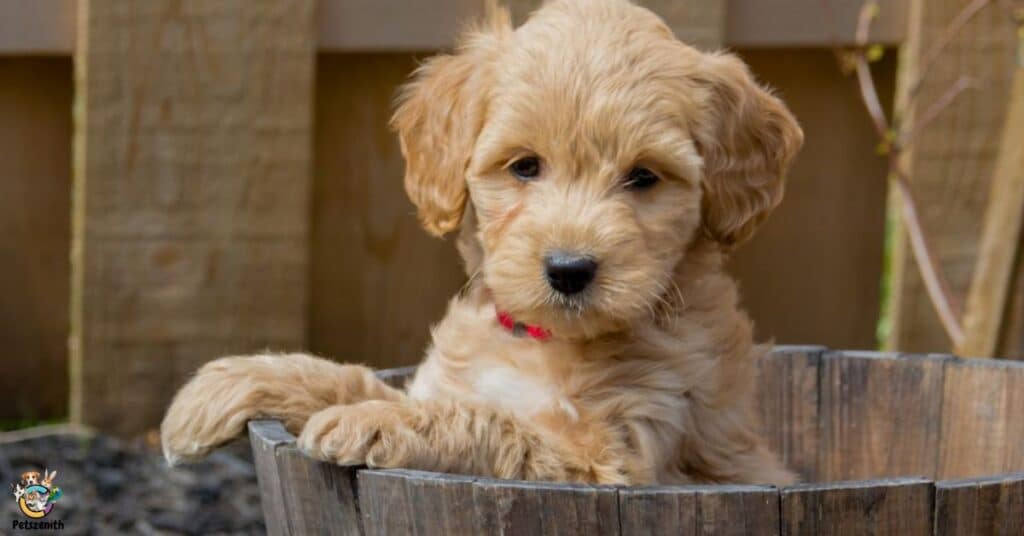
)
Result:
{"points": [[952, 160], [982, 427], [191, 190], [512, 507], [384, 503], [788, 401], [265, 438], [880, 415], [738, 510], [301, 495], [986, 313], [708, 510], [992, 505], [320, 496], [894, 506], [657, 510], [400, 501], [444, 503]]}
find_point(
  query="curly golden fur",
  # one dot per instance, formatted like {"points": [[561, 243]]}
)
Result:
{"points": [[650, 373]]}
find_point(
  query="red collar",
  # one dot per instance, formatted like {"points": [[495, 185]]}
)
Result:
{"points": [[519, 329]]}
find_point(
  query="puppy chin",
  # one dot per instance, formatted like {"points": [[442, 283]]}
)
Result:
{"points": [[580, 316]]}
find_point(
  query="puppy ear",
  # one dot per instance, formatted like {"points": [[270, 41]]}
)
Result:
{"points": [[439, 115], [747, 138]]}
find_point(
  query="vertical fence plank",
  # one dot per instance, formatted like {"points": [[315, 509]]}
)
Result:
{"points": [[980, 506], [982, 418], [880, 415], [955, 154], [788, 400], [897, 506], [192, 163], [1002, 237]]}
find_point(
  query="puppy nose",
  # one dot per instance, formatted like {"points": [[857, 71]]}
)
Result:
{"points": [[569, 273]]}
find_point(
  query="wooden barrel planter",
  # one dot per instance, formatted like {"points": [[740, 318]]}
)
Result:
{"points": [[886, 443]]}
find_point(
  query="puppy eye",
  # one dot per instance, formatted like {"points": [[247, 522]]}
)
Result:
{"points": [[525, 169], [640, 178]]}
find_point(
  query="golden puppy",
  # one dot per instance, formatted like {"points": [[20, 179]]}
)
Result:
{"points": [[598, 171]]}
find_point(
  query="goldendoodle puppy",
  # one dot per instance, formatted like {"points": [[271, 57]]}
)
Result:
{"points": [[598, 172]]}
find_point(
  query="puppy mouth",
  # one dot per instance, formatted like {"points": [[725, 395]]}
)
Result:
{"points": [[574, 305]]}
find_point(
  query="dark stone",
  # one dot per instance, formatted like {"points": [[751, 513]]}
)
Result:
{"points": [[116, 487]]}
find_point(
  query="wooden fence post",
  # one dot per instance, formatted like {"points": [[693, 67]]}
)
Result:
{"points": [[191, 194], [952, 159], [998, 256]]}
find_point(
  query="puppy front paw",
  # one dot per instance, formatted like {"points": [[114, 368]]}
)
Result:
{"points": [[210, 410], [376, 433], [213, 407]]}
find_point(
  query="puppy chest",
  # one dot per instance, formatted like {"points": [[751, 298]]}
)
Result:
{"points": [[521, 393]]}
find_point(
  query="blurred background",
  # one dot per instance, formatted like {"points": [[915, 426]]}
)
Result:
{"points": [[185, 179]]}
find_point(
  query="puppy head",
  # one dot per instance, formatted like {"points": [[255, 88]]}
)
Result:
{"points": [[30, 478], [590, 148]]}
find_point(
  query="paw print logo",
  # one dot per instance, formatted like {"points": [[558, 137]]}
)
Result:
{"points": [[36, 493]]}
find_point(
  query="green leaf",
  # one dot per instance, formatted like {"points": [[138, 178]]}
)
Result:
{"points": [[875, 53]]}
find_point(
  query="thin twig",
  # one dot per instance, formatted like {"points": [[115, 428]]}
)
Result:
{"points": [[868, 93], [868, 12], [943, 41], [962, 84], [947, 308], [942, 299], [46, 430], [870, 97]]}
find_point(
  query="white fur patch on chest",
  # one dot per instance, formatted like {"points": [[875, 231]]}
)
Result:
{"points": [[510, 389]]}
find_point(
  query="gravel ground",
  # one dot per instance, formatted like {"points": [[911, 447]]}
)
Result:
{"points": [[125, 487]]}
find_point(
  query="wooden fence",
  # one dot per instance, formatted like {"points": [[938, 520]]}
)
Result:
{"points": [[236, 188]]}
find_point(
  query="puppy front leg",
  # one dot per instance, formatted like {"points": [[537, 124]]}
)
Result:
{"points": [[213, 407], [459, 438]]}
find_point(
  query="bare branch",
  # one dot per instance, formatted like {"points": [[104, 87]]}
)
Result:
{"points": [[869, 95], [947, 308], [962, 84], [943, 41], [868, 12]]}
